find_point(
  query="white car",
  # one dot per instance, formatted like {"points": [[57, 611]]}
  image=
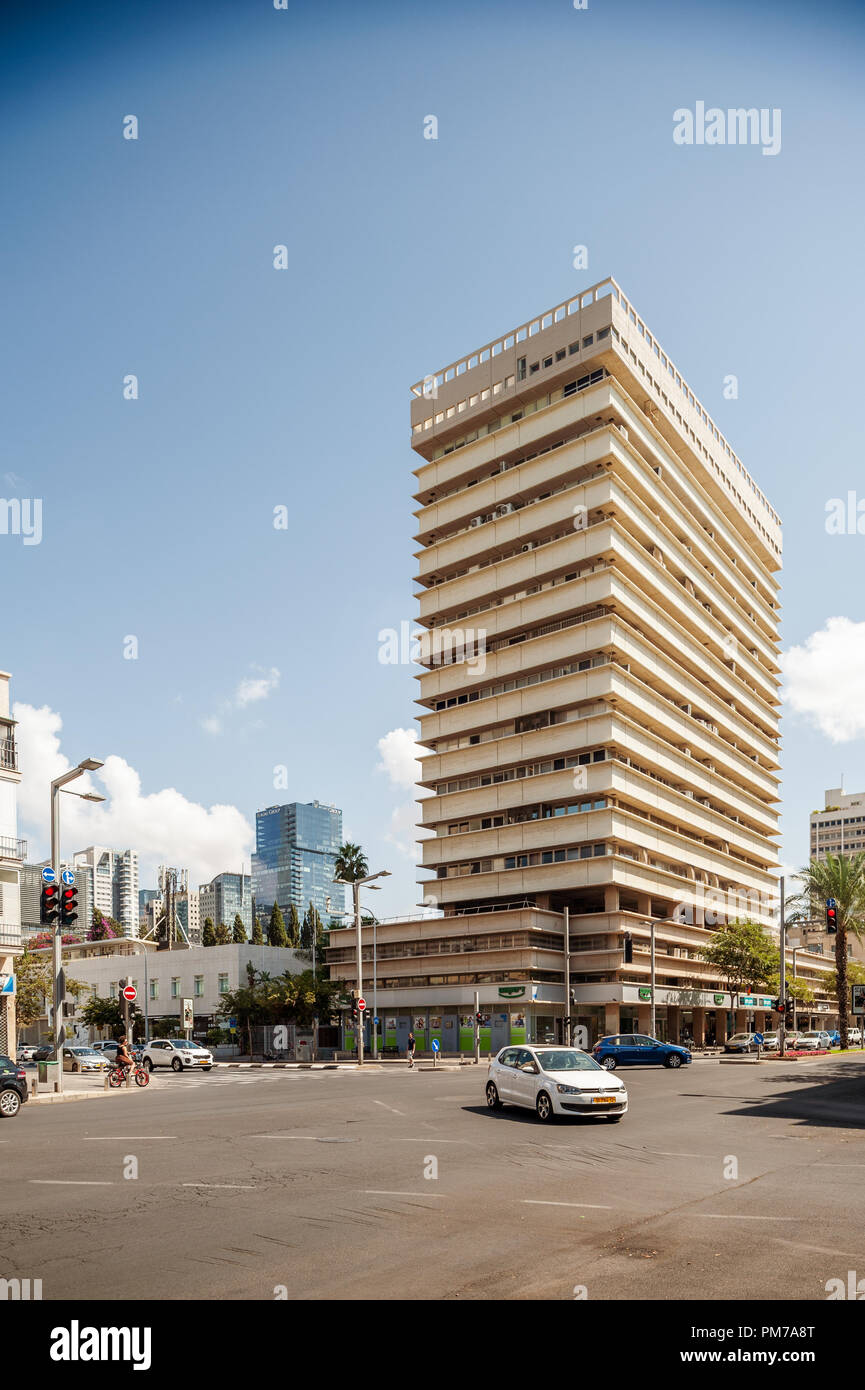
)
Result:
{"points": [[554, 1081], [84, 1059], [178, 1054], [854, 1035], [813, 1041], [25, 1053]]}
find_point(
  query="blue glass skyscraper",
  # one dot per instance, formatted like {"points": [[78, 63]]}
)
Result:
{"points": [[295, 852]]}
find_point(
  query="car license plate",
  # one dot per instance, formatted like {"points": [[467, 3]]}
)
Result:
{"points": [[604, 1100]]}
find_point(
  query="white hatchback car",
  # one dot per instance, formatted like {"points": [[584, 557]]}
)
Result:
{"points": [[554, 1081], [178, 1054]]}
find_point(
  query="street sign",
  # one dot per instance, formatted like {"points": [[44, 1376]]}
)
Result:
{"points": [[361, 1003], [435, 1045], [759, 1039], [130, 993], [68, 877], [7, 984], [376, 1021], [49, 876]]}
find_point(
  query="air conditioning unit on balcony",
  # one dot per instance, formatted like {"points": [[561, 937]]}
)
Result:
{"points": [[476, 521], [529, 545], [503, 466], [504, 509]]}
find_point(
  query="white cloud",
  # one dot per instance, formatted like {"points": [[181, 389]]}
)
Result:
{"points": [[163, 826], [256, 688], [398, 752], [814, 684], [212, 724], [403, 830]]}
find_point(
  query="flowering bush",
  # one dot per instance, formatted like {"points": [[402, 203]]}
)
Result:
{"points": [[102, 931]]}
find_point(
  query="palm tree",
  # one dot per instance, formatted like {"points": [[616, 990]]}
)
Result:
{"points": [[842, 877], [351, 863]]}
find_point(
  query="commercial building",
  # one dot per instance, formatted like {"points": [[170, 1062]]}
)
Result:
{"points": [[13, 852], [599, 693], [164, 978], [226, 896], [840, 827], [115, 883], [295, 852]]}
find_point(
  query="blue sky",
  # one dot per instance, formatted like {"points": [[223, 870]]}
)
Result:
{"points": [[261, 388]]}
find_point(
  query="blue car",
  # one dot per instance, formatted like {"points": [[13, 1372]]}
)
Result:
{"points": [[834, 1037], [628, 1049]]}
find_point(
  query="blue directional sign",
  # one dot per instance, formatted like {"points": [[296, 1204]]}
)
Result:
{"points": [[49, 876], [68, 877], [759, 1039], [7, 984], [435, 1044], [376, 1021]]}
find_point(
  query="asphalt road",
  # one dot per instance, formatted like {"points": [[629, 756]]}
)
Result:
{"points": [[723, 1181]]}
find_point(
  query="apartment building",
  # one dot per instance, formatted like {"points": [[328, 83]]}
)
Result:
{"points": [[225, 897], [115, 883], [13, 852], [838, 829], [598, 700]]}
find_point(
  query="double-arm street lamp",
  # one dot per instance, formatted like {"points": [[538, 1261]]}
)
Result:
{"points": [[356, 885], [57, 786]]}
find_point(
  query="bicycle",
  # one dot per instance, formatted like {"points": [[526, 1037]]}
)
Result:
{"points": [[117, 1076]]}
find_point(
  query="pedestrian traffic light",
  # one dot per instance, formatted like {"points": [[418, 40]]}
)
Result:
{"points": [[68, 906], [788, 1014], [629, 949], [49, 904], [479, 1018], [831, 915], [779, 1006]]}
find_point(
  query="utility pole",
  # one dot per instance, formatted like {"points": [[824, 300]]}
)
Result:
{"points": [[652, 977], [782, 1032], [477, 1028], [567, 979]]}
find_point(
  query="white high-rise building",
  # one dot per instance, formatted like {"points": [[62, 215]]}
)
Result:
{"points": [[115, 883]]}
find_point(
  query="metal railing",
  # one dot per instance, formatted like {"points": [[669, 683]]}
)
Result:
{"points": [[9, 755], [11, 848]]}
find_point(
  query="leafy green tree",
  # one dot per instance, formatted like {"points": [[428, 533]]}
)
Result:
{"points": [[100, 1012], [312, 929], [276, 931], [257, 933], [293, 927], [238, 933], [208, 935], [223, 935], [842, 877], [743, 956], [33, 985]]}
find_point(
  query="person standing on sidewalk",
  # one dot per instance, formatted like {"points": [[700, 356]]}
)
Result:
{"points": [[410, 1049]]}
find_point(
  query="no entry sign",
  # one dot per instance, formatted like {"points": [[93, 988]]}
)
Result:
{"points": [[130, 992]]}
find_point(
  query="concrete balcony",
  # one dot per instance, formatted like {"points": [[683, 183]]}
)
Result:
{"points": [[12, 850]]}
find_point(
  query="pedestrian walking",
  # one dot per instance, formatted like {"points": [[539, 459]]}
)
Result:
{"points": [[410, 1049]]}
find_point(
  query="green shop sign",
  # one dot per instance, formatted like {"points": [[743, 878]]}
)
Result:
{"points": [[511, 991], [645, 992], [718, 998]]}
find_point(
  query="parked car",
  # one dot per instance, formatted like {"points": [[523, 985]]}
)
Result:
{"points": [[25, 1053], [741, 1042], [834, 1037], [854, 1035], [177, 1053], [554, 1081], [84, 1059], [13, 1088], [813, 1041], [638, 1049], [43, 1053]]}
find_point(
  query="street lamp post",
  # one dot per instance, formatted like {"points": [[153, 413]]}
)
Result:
{"points": [[59, 993], [356, 885]]}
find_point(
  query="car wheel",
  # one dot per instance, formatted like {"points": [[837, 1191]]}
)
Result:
{"points": [[674, 1060], [148, 1065], [544, 1107], [207, 1068], [177, 1065], [10, 1103], [493, 1100], [609, 1064]]}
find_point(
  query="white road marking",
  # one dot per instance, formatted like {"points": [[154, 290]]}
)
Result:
{"points": [[105, 1138], [833, 1165], [378, 1192], [247, 1187], [595, 1206], [732, 1216], [388, 1107], [820, 1249], [663, 1153], [68, 1182]]}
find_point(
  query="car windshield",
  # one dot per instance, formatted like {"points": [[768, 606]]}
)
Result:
{"points": [[181, 1042], [741, 1037], [567, 1059]]}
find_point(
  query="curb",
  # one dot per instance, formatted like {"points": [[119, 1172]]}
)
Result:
{"points": [[67, 1096]]}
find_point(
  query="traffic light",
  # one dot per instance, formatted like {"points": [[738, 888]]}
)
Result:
{"points": [[68, 906], [779, 1006], [49, 904], [479, 1018], [788, 1014], [629, 949], [831, 915]]}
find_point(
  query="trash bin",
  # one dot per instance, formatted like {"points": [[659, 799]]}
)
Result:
{"points": [[48, 1071]]}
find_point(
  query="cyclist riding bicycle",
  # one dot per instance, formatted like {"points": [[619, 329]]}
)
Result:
{"points": [[124, 1058]]}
